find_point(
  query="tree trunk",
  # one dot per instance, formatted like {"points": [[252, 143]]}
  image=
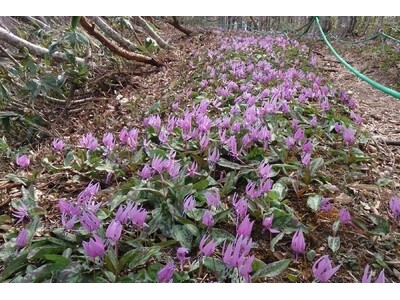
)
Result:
{"points": [[380, 24], [152, 33], [111, 33], [326, 23], [34, 49], [255, 25], [115, 49], [178, 26], [34, 22]]}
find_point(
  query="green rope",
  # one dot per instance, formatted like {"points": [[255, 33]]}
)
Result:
{"points": [[307, 28], [388, 36], [356, 42], [358, 74]]}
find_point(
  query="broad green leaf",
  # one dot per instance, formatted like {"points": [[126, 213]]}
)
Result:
{"points": [[40, 252], [336, 226], [281, 189], [272, 270], [219, 264], [334, 243], [276, 239], [230, 183], [315, 165], [74, 22], [314, 202], [222, 215], [137, 257], [58, 259], [182, 235], [229, 164], [14, 266], [220, 235]]}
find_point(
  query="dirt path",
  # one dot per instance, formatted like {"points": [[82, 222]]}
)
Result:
{"points": [[380, 111]]}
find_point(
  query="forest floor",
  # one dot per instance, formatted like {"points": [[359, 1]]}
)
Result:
{"points": [[146, 89]]}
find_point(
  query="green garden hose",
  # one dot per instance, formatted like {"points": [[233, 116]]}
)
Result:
{"points": [[375, 84], [356, 42], [389, 37]]}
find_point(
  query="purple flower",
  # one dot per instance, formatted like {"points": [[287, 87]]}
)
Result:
{"points": [[166, 273], [245, 267], [313, 121], [88, 141], [189, 203], [240, 206], [289, 142], [108, 141], [381, 277], [157, 164], [192, 168], [181, 255], [68, 223], [298, 244], [89, 221], [306, 159], [58, 145], [175, 105], [88, 193], [348, 136], [146, 172], [173, 169], [299, 135], [325, 204], [21, 213], [295, 124], [163, 136], [23, 161], [123, 213], [307, 147], [22, 240], [132, 139], [338, 127], [265, 169], [204, 140], [207, 219], [322, 269], [251, 190], [245, 227], [123, 135], [367, 277], [154, 121], [207, 250], [95, 247], [344, 216], [109, 177], [213, 198], [394, 205], [267, 223], [114, 231], [138, 216]]}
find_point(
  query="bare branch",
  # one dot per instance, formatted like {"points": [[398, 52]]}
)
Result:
{"points": [[114, 48], [153, 34], [116, 36]]}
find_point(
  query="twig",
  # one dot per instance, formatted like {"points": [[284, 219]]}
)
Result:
{"points": [[10, 56]]}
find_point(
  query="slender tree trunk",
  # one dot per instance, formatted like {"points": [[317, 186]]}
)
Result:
{"points": [[111, 33], [115, 49], [34, 22], [153, 34], [253, 21], [380, 24], [178, 26], [34, 49]]}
